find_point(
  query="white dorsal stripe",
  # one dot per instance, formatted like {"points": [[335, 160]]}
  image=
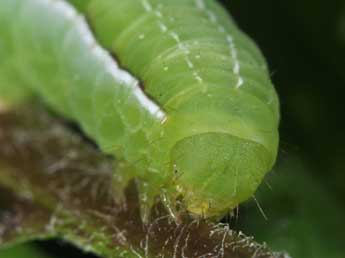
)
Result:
{"points": [[69, 12]]}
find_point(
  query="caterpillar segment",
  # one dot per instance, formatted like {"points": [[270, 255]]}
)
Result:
{"points": [[187, 103]]}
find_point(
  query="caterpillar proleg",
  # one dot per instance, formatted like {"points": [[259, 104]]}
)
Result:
{"points": [[190, 104]]}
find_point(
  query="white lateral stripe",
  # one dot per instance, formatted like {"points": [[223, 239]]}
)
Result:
{"points": [[147, 6], [200, 4], [164, 28], [61, 8], [110, 65]]}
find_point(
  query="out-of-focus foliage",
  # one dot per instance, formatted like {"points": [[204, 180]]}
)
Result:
{"points": [[302, 217], [22, 251]]}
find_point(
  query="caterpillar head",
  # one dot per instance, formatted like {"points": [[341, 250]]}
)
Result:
{"points": [[222, 143], [216, 171]]}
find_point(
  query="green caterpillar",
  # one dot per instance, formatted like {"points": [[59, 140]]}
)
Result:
{"points": [[199, 125]]}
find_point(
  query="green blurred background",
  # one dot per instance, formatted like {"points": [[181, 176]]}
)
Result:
{"points": [[25, 251], [304, 44]]}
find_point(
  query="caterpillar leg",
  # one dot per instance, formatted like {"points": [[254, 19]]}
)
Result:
{"points": [[146, 199], [148, 189]]}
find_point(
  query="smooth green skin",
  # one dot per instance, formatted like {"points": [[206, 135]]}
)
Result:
{"points": [[217, 142]]}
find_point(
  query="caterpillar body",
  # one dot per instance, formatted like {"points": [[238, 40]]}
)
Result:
{"points": [[194, 113]]}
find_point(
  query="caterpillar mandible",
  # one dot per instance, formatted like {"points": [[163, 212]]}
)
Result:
{"points": [[192, 108]]}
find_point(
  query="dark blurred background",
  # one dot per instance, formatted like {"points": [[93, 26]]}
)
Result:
{"points": [[304, 44]]}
